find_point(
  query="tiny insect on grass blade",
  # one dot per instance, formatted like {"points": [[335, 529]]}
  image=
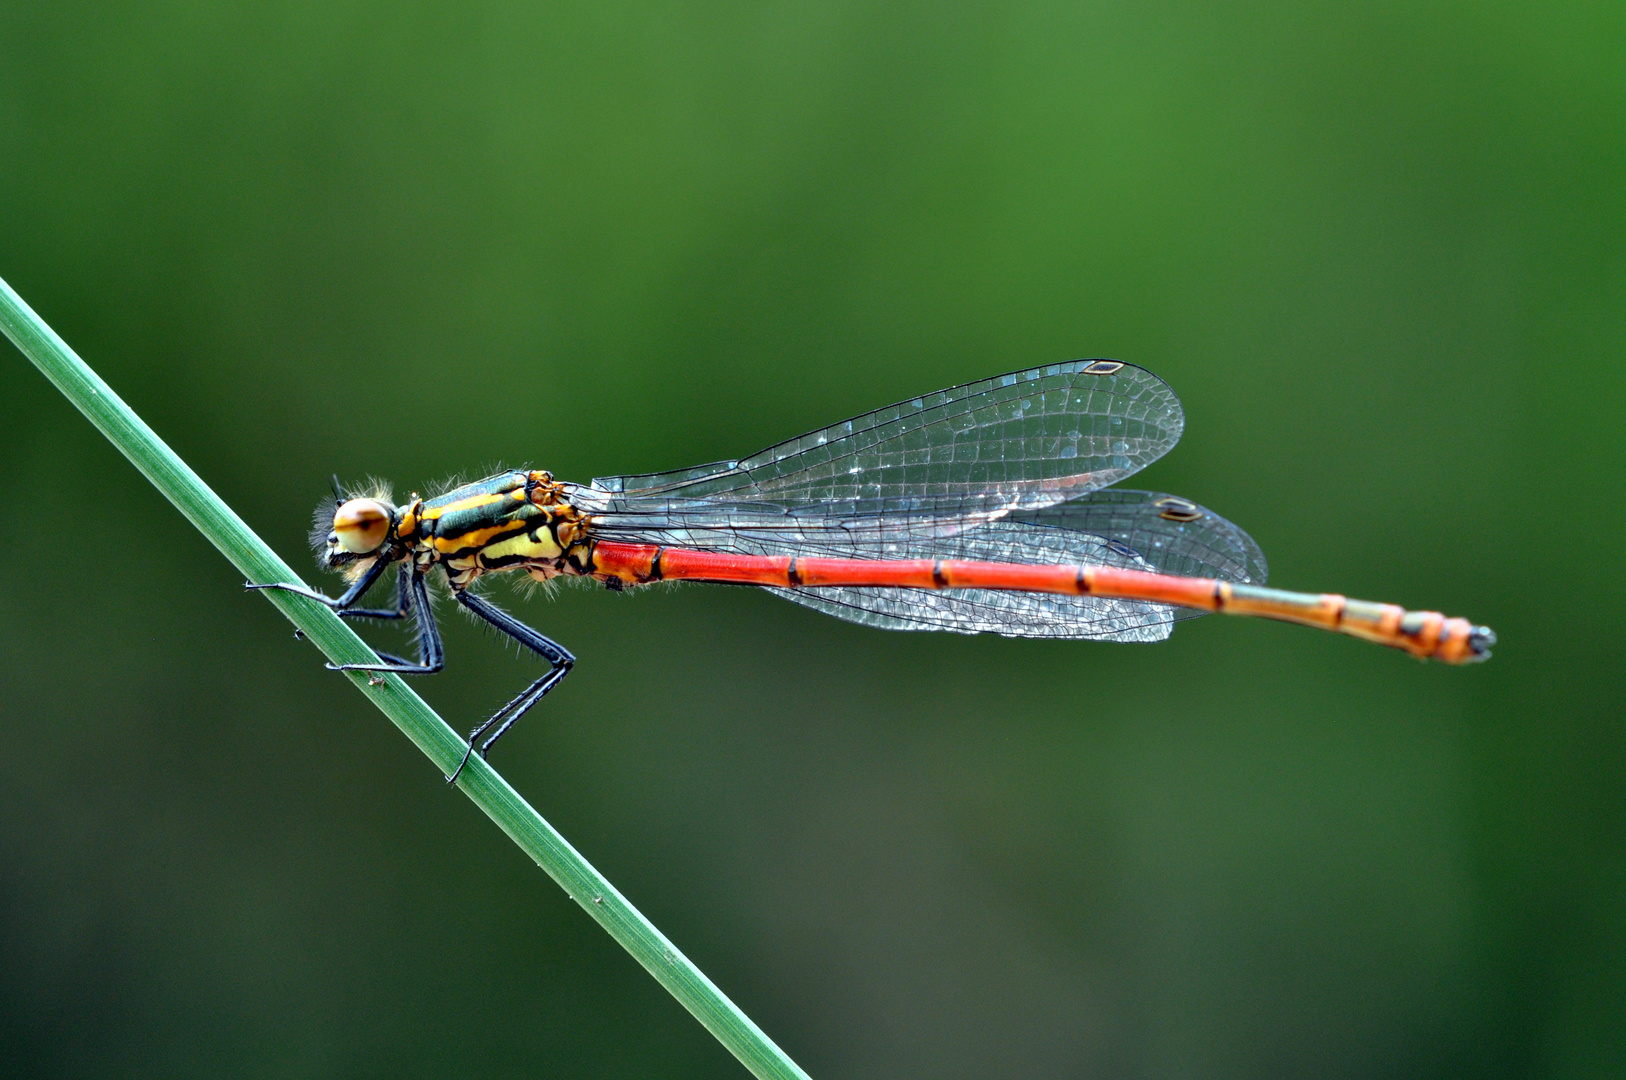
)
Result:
{"points": [[983, 508]]}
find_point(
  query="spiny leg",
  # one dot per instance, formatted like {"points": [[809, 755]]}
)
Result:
{"points": [[403, 600], [339, 604], [557, 656], [410, 583], [431, 653], [403, 608], [504, 717]]}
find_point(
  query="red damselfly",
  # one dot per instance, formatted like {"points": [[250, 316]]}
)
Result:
{"points": [[981, 508]]}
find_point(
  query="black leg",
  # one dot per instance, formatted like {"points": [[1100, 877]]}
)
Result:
{"points": [[350, 596], [431, 654], [410, 583], [403, 601], [557, 656]]}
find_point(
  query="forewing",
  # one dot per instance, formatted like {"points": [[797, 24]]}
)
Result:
{"points": [[1028, 439]]}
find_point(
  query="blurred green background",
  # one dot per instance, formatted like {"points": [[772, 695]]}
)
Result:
{"points": [[1378, 250]]}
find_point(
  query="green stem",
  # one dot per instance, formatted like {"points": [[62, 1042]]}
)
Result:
{"points": [[489, 791]]}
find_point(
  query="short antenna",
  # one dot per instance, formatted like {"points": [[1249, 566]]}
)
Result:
{"points": [[337, 494]]}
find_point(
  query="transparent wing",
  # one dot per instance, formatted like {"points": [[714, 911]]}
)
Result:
{"points": [[1132, 529], [1173, 535], [1027, 439]]}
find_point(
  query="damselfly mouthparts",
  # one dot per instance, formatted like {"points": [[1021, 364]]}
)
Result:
{"points": [[981, 508]]}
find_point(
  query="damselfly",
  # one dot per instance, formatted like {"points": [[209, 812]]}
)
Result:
{"points": [[981, 508]]}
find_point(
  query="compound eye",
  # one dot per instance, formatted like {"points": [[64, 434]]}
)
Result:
{"points": [[361, 526]]}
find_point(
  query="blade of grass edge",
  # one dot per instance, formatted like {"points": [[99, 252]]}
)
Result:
{"points": [[482, 784]]}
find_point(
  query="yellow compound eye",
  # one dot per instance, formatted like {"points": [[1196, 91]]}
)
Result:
{"points": [[361, 525]]}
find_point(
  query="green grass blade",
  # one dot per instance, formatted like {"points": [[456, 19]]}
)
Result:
{"points": [[489, 791]]}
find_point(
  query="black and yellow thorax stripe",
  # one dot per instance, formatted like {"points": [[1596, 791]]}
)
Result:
{"points": [[514, 520]]}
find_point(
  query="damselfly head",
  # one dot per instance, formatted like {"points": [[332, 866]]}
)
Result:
{"points": [[361, 526], [351, 530]]}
